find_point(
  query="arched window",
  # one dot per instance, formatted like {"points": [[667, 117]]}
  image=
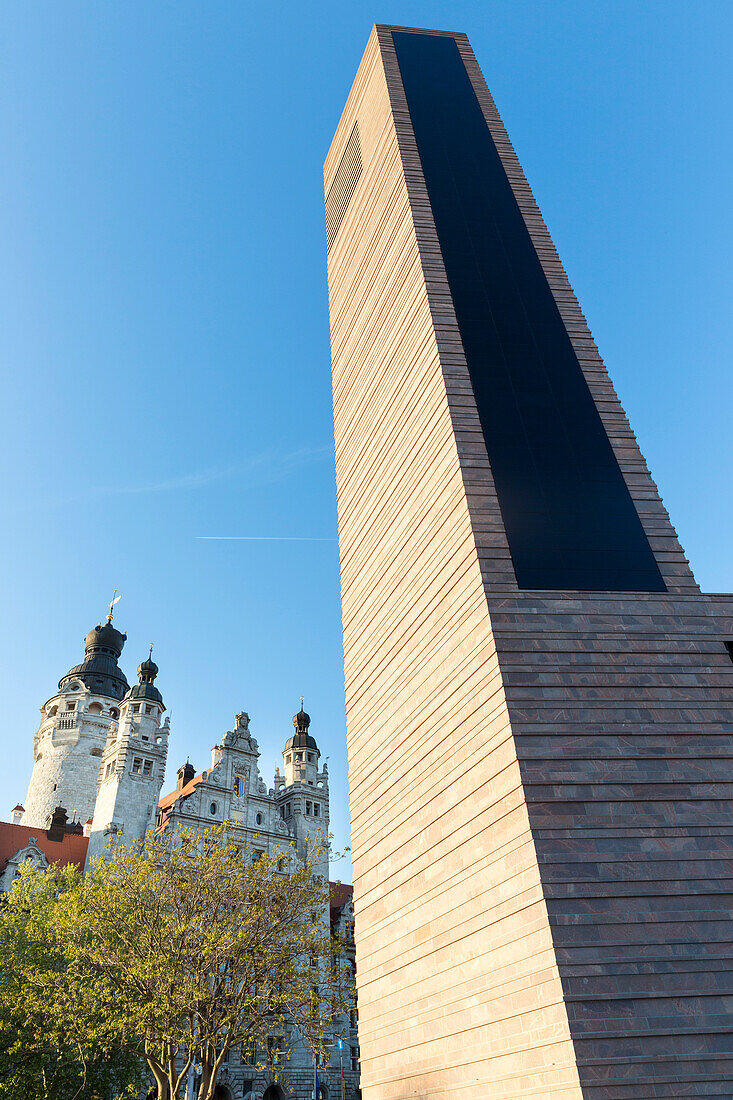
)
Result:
{"points": [[213, 808], [258, 819], [113, 712], [95, 708]]}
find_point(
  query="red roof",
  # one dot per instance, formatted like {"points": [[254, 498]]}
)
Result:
{"points": [[341, 892], [168, 799], [72, 848]]}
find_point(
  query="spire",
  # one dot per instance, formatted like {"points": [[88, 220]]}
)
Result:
{"points": [[145, 687], [301, 738], [113, 601]]}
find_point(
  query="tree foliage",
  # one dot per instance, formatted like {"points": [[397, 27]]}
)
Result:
{"points": [[58, 1038], [188, 947]]}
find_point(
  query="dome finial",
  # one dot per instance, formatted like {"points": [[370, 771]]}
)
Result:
{"points": [[113, 601]]}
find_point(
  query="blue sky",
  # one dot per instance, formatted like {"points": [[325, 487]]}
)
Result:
{"points": [[164, 326]]}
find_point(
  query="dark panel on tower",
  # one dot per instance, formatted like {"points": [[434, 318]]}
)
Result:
{"points": [[569, 518]]}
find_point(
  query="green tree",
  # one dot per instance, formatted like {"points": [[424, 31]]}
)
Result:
{"points": [[60, 1037], [204, 945]]}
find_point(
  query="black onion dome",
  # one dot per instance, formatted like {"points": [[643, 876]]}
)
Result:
{"points": [[301, 739], [148, 668], [99, 670], [145, 688], [106, 639]]}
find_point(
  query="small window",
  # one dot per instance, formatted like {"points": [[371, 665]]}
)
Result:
{"points": [[148, 767], [299, 757], [258, 819], [310, 757], [136, 708], [354, 1059], [213, 808], [144, 737], [137, 765], [148, 709], [308, 807], [289, 758], [288, 809], [71, 706], [237, 785], [316, 810], [113, 712], [257, 855], [282, 811]]}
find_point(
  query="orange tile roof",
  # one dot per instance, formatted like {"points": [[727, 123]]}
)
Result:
{"points": [[72, 848], [168, 799]]}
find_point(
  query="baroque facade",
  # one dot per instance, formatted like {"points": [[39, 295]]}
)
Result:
{"points": [[99, 763]]}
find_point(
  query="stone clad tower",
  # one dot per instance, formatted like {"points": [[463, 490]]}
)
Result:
{"points": [[540, 745], [132, 766], [74, 725], [303, 791]]}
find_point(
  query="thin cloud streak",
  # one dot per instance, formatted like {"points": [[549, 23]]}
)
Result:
{"points": [[259, 469]]}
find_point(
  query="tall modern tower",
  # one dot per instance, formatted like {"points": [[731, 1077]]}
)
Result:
{"points": [[541, 761]]}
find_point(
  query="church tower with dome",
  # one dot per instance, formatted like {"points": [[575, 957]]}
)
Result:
{"points": [[132, 766], [75, 724]]}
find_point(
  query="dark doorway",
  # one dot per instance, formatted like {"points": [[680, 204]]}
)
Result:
{"points": [[273, 1092], [221, 1092]]}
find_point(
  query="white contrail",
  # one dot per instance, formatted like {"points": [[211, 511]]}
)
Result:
{"points": [[266, 538]]}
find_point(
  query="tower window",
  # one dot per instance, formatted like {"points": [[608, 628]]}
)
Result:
{"points": [[258, 819], [237, 785], [147, 767], [308, 807], [282, 811], [299, 757], [316, 810], [113, 712], [137, 765], [136, 708], [71, 706], [289, 758], [213, 808], [310, 757]]}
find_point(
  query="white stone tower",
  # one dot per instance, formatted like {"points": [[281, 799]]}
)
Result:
{"points": [[303, 792], [74, 724], [132, 767]]}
